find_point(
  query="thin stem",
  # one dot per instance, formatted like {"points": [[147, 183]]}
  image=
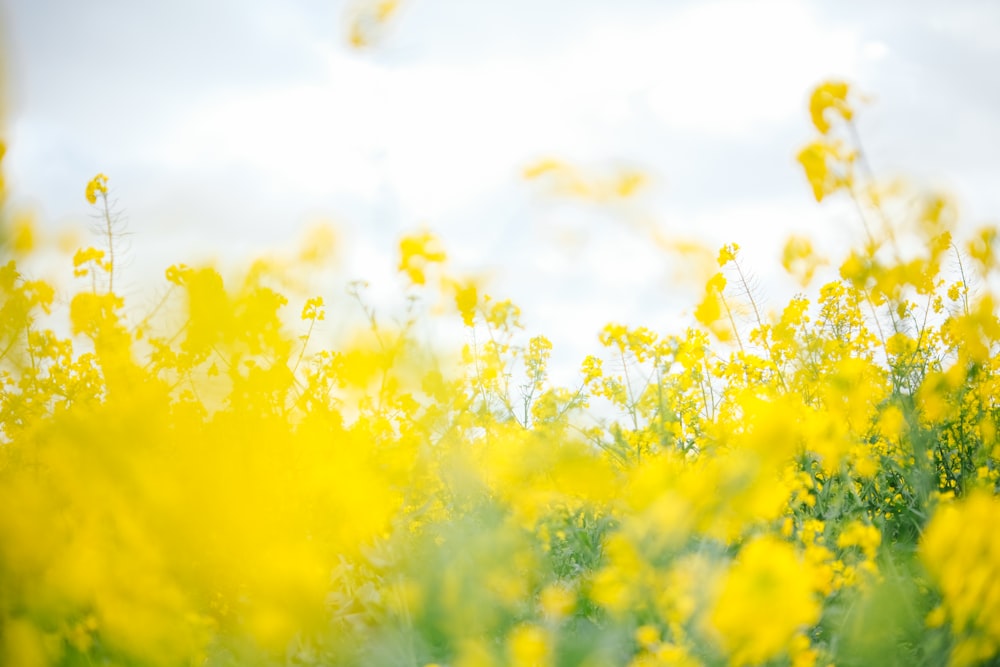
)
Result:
{"points": [[965, 284], [305, 343], [760, 322], [109, 233], [732, 321], [878, 325]]}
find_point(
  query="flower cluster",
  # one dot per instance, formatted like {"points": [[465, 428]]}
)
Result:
{"points": [[224, 480]]}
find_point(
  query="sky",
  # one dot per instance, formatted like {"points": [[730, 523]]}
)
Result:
{"points": [[230, 127]]}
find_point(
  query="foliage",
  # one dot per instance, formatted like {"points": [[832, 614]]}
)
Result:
{"points": [[213, 483]]}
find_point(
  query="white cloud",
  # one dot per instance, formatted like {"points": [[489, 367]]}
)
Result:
{"points": [[444, 135], [728, 66], [874, 50], [697, 92]]}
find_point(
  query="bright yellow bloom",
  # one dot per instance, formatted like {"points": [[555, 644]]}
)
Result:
{"points": [[961, 550], [826, 165], [831, 95], [467, 300], [97, 185], [313, 309], [766, 598], [529, 646], [865, 537], [728, 253], [416, 253]]}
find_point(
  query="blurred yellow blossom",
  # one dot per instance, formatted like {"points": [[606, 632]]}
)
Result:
{"points": [[767, 581], [827, 97], [97, 185], [961, 550]]}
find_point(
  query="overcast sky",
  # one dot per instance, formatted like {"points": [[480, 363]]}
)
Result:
{"points": [[226, 127]]}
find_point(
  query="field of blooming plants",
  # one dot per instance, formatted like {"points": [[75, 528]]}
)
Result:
{"points": [[212, 482]]}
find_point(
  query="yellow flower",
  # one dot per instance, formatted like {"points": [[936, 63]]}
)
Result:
{"points": [[799, 259], [97, 185], [827, 96], [84, 257], [710, 310], [765, 600], [417, 252], [728, 253], [556, 601], [961, 550], [647, 636], [22, 234], [529, 646], [857, 534], [821, 160], [466, 300], [313, 309]]}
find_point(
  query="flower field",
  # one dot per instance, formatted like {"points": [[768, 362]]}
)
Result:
{"points": [[215, 481]]}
